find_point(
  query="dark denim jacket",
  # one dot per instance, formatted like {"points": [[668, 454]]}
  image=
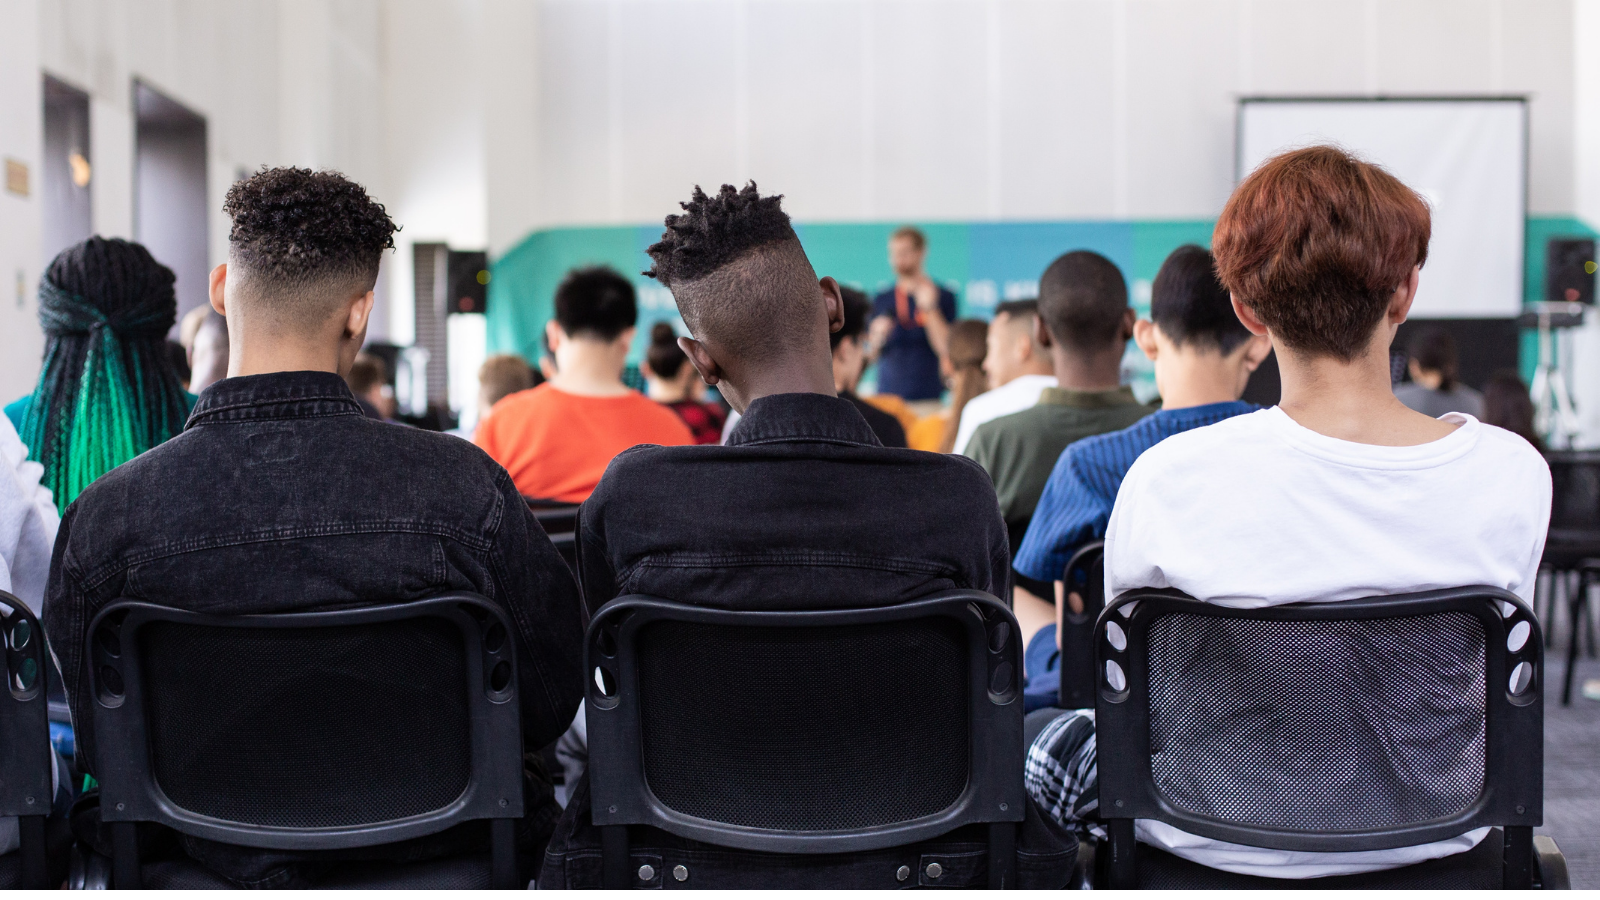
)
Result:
{"points": [[803, 508], [280, 496]]}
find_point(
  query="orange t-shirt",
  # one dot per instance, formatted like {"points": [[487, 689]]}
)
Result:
{"points": [[557, 445]]}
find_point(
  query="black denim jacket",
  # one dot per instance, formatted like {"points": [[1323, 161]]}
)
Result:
{"points": [[803, 508], [280, 496]]}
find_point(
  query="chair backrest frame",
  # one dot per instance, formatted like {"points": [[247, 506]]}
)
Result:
{"points": [[26, 763], [1087, 565], [621, 794], [130, 791], [1513, 789]]}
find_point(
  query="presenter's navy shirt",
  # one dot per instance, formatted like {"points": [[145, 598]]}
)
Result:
{"points": [[908, 367]]}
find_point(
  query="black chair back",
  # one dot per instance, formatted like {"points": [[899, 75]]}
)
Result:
{"points": [[819, 731], [1358, 725], [1086, 575], [25, 756], [307, 731]]}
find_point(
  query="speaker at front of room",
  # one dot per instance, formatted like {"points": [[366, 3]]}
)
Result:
{"points": [[1569, 267], [468, 272]]}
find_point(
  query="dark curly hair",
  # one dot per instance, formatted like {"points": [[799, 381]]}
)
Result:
{"points": [[299, 236], [596, 302], [738, 273]]}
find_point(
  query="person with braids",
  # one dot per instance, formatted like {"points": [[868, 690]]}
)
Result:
{"points": [[107, 391], [280, 496], [802, 508]]}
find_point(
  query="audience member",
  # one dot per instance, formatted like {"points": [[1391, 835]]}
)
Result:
{"points": [[557, 439], [963, 370], [850, 360], [309, 505], [1434, 388], [1339, 492], [911, 322], [802, 484], [672, 382], [1084, 322], [1018, 366], [368, 380], [1507, 404], [179, 357], [1203, 358], [108, 390], [208, 352], [500, 376]]}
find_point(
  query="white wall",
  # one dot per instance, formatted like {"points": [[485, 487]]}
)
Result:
{"points": [[21, 139], [994, 109]]}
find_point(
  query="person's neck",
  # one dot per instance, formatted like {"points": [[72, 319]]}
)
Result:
{"points": [[1036, 367], [1087, 372], [1352, 401], [908, 282], [260, 355], [666, 391], [792, 377], [589, 372], [1197, 379]]}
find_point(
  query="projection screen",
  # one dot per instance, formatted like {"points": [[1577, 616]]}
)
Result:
{"points": [[1468, 157]]}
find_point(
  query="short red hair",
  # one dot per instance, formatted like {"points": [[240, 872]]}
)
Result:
{"points": [[1316, 242]]}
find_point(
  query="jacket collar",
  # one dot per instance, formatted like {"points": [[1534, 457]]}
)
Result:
{"points": [[802, 417], [276, 395]]}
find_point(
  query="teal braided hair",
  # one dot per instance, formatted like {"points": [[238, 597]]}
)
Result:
{"points": [[107, 390]]}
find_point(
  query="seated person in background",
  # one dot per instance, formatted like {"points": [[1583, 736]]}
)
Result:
{"points": [[310, 505], [557, 439], [850, 360], [369, 382], [500, 376], [962, 367], [1339, 492], [108, 390], [208, 352], [1084, 322], [802, 483], [1434, 388], [1018, 367], [1507, 404], [672, 382], [1203, 358]]}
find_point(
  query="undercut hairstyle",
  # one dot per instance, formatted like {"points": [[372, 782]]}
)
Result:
{"points": [[1083, 301], [911, 233], [1190, 305], [738, 273], [303, 242], [1316, 242], [109, 388], [1017, 309], [665, 359], [1435, 351], [857, 308], [596, 302], [502, 375]]}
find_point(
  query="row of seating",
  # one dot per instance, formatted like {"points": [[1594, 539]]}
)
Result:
{"points": [[811, 732]]}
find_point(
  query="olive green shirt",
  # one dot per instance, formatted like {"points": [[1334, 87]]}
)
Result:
{"points": [[1020, 450]]}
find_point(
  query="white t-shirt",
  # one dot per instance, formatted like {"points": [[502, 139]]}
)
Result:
{"points": [[28, 521], [1014, 396], [1258, 510]]}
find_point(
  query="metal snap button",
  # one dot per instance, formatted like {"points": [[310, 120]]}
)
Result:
{"points": [[680, 873], [902, 873], [934, 870], [647, 872]]}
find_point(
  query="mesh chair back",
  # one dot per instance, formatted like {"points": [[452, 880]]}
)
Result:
{"points": [[308, 730], [1356, 725], [25, 755], [806, 732]]}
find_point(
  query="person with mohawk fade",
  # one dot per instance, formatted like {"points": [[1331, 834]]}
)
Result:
{"points": [[801, 485]]}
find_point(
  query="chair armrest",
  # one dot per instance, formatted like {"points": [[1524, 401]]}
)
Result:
{"points": [[1552, 865]]}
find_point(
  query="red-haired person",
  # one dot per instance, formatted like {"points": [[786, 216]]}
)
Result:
{"points": [[1339, 492]]}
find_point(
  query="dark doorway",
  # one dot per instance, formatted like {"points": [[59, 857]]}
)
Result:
{"points": [[169, 199], [65, 176]]}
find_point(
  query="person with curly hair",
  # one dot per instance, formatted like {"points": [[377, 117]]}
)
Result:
{"points": [[802, 508], [280, 496]]}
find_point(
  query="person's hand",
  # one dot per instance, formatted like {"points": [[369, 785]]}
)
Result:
{"points": [[877, 334], [1075, 603], [926, 293]]}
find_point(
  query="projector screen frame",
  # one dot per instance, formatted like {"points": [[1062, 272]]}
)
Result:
{"points": [[1520, 99]]}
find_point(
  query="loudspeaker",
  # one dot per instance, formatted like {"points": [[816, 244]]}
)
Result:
{"points": [[1569, 267], [469, 282]]}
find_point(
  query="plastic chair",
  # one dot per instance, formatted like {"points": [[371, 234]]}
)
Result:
{"points": [[25, 756], [1359, 725], [309, 731], [807, 732], [1573, 545], [1085, 575]]}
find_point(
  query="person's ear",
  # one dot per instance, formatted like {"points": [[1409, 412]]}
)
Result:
{"points": [[1041, 333], [1144, 335], [355, 324], [1247, 317], [710, 371], [624, 340], [219, 286], [1128, 320], [1255, 351], [1404, 296], [553, 335], [833, 299]]}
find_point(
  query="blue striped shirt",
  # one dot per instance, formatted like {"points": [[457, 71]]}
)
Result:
{"points": [[1076, 505]]}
